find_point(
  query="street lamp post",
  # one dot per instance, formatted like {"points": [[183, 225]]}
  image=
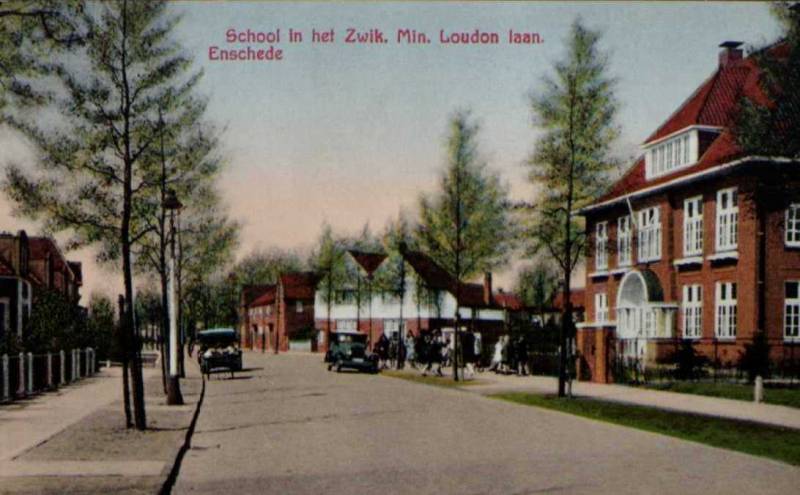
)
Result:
{"points": [[174, 397]]}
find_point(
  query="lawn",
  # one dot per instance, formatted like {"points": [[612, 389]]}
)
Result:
{"points": [[784, 396], [441, 381], [778, 443]]}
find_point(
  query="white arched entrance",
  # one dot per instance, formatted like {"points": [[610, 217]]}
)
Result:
{"points": [[642, 314]]}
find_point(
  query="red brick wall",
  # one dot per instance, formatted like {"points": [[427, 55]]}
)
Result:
{"points": [[782, 264]]}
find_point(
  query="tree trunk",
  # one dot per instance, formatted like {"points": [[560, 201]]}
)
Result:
{"points": [[126, 389], [140, 416]]}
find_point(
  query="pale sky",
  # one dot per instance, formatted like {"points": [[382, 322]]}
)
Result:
{"points": [[350, 134]]}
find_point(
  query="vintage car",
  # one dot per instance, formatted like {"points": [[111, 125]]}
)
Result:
{"points": [[349, 351], [219, 350]]}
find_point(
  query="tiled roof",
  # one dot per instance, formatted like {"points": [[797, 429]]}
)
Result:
{"points": [[470, 295], [714, 103], [252, 292], [509, 301], [435, 277], [265, 298], [6, 269], [299, 285], [576, 296]]}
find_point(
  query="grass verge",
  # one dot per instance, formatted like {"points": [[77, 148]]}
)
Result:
{"points": [[774, 442], [782, 396], [440, 381]]}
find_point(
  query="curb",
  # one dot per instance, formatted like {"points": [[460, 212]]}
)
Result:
{"points": [[169, 483]]}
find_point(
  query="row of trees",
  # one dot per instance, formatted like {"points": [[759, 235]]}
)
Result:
{"points": [[109, 101]]}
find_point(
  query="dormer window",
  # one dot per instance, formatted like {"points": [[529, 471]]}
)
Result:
{"points": [[671, 154]]}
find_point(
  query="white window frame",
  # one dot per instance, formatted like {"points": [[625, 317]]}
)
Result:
{"points": [[601, 246], [791, 313], [624, 235], [692, 311], [792, 225], [693, 226], [601, 307], [670, 155], [727, 231], [725, 320], [649, 238]]}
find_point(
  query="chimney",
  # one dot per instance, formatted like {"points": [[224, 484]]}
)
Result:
{"points": [[730, 53], [487, 288]]}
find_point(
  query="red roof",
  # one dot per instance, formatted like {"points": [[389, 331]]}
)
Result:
{"points": [[509, 301], [267, 297], [6, 269], [714, 104], [435, 277], [576, 296], [470, 295], [299, 285]]}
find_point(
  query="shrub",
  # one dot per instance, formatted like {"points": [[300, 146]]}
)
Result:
{"points": [[755, 359]]}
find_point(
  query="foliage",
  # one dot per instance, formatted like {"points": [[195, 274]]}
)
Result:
{"points": [[537, 284], [263, 266], [755, 358], [30, 32], [773, 129], [572, 162], [464, 227], [328, 259], [55, 323], [689, 363], [572, 159], [101, 326]]}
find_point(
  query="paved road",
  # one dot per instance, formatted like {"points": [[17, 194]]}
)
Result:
{"points": [[290, 427]]}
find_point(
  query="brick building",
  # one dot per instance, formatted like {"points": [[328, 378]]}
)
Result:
{"points": [[697, 242], [272, 315], [29, 265]]}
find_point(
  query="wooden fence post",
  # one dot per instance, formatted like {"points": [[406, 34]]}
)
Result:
{"points": [[49, 369], [21, 378], [30, 373], [62, 361], [6, 390]]}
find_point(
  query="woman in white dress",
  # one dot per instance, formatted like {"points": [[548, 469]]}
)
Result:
{"points": [[497, 357]]}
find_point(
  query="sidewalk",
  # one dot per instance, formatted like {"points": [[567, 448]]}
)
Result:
{"points": [[27, 423], [77, 438], [491, 383]]}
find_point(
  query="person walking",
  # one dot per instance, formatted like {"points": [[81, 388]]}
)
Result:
{"points": [[382, 350], [468, 352], [410, 354], [497, 355]]}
